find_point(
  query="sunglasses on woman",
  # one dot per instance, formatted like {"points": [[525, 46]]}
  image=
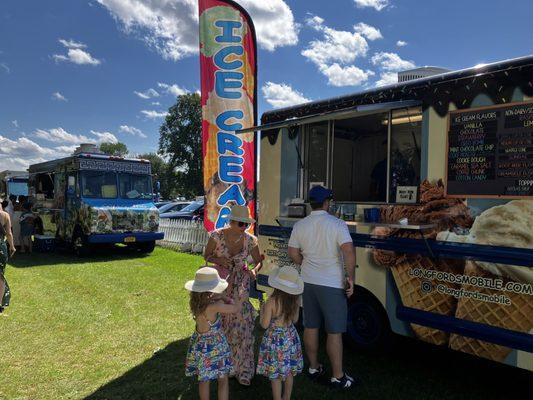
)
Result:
{"points": [[243, 224]]}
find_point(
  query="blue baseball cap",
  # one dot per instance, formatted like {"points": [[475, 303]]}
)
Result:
{"points": [[319, 194]]}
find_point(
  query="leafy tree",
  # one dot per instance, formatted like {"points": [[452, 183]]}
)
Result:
{"points": [[114, 149], [180, 140], [162, 172]]}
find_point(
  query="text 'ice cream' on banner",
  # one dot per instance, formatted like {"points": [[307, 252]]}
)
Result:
{"points": [[228, 80]]}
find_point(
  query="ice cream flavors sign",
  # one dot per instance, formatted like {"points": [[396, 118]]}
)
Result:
{"points": [[490, 151], [228, 75]]}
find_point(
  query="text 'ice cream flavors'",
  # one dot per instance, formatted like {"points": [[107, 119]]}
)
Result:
{"points": [[509, 225]]}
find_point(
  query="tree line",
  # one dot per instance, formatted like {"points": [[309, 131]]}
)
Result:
{"points": [[177, 165]]}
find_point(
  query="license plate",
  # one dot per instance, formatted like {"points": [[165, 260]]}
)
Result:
{"points": [[129, 239]]}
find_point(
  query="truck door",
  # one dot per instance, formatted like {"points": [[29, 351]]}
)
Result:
{"points": [[71, 203]]}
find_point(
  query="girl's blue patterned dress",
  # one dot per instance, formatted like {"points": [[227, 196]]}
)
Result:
{"points": [[209, 355], [280, 353]]}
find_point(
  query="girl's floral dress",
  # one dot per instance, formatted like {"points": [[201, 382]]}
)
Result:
{"points": [[238, 327], [280, 353], [209, 355]]}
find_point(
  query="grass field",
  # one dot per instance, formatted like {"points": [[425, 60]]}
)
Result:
{"points": [[116, 326]]}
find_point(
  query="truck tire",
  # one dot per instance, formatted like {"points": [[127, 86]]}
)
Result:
{"points": [[146, 247], [368, 326]]}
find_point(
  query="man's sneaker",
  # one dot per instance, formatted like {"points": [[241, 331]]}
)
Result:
{"points": [[346, 382], [315, 373]]}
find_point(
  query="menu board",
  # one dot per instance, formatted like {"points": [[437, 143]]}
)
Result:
{"points": [[490, 152]]}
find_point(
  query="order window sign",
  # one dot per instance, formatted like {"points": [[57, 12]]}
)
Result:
{"points": [[406, 194]]}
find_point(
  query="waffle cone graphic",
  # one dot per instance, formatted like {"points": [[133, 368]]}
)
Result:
{"points": [[444, 213], [518, 316], [413, 294]]}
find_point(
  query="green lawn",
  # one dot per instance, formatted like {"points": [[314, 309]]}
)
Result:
{"points": [[116, 326]]}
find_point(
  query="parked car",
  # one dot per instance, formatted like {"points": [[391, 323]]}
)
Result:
{"points": [[174, 206], [160, 204], [194, 210]]}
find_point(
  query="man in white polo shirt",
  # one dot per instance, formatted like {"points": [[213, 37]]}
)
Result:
{"points": [[322, 245]]}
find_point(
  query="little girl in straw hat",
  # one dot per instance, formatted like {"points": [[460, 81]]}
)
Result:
{"points": [[209, 355], [280, 353]]}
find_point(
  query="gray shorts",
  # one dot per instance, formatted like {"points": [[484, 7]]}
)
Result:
{"points": [[324, 303]]}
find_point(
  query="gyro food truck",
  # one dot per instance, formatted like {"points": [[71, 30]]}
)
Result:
{"points": [[91, 199], [13, 183], [434, 177]]}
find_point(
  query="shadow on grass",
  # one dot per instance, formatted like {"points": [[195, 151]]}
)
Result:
{"points": [[160, 377], [412, 370], [66, 256]]}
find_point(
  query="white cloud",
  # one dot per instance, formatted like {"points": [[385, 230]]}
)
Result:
{"points": [[147, 94], [105, 137], [156, 103], [5, 67], [401, 43], [21, 152], [336, 46], [346, 76], [15, 123], [59, 135], [132, 131], [368, 31], [58, 96], [71, 44], [282, 95], [171, 26], [153, 114], [75, 54], [315, 22], [391, 62], [387, 78], [174, 89], [22, 147], [335, 53], [378, 5]]}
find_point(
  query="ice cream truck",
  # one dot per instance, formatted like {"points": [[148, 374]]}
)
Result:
{"points": [[90, 199], [434, 178]]}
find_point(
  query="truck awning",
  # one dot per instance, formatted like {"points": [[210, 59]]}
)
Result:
{"points": [[351, 111]]}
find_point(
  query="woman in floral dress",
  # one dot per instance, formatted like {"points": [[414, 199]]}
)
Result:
{"points": [[229, 249]]}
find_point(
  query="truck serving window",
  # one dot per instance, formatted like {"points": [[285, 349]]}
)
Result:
{"points": [[100, 185], [360, 158], [366, 157], [406, 132], [135, 186]]}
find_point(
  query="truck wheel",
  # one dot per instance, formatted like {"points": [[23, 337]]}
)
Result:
{"points": [[368, 325], [80, 245], [146, 247]]}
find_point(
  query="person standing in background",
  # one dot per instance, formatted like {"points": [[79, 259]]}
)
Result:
{"points": [[322, 245], [27, 224], [10, 209], [6, 237]]}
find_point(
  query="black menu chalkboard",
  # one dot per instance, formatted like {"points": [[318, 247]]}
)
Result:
{"points": [[490, 152]]}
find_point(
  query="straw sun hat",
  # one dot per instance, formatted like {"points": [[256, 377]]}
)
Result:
{"points": [[207, 280], [240, 214], [286, 279]]}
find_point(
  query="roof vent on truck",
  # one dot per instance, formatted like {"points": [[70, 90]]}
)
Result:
{"points": [[89, 148]]}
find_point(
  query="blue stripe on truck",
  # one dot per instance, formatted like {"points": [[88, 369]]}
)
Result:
{"points": [[428, 248], [504, 337], [119, 237]]}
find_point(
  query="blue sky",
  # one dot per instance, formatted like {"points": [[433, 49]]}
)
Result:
{"points": [[98, 70]]}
